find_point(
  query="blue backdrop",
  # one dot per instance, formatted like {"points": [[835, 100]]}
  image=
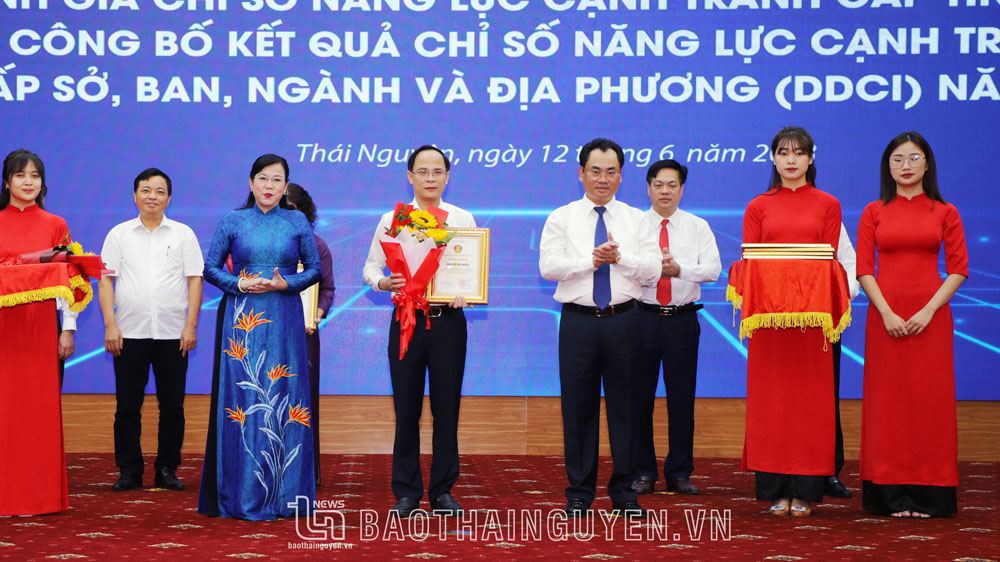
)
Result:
{"points": [[344, 89]]}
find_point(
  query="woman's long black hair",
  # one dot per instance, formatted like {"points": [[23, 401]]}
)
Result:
{"points": [[887, 191], [796, 138], [16, 162]]}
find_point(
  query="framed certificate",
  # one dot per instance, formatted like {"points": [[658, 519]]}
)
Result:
{"points": [[310, 302], [464, 269]]}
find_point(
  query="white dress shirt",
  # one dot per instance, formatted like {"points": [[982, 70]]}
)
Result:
{"points": [[693, 246], [567, 246], [151, 271], [848, 259], [68, 316], [375, 263]]}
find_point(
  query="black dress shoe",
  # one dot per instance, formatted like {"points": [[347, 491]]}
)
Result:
{"points": [[644, 485], [127, 481], [682, 486], [404, 507], [445, 505], [630, 508], [577, 508], [832, 486], [165, 478]]}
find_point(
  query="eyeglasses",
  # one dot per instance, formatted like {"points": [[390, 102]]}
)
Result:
{"points": [[596, 174], [276, 180], [897, 161], [424, 174]]}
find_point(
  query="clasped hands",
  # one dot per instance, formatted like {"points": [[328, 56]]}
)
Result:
{"points": [[263, 284], [898, 328], [669, 267], [607, 253]]}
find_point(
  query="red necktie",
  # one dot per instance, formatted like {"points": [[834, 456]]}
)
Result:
{"points": [[663, 285]]}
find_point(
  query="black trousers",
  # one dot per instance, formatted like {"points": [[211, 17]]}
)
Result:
{"points": [[593, 349], [312, 345], [437, 354], [838, 454], [772, 486], [672, 341], [131, 376], [886, 499], [62, 362]]}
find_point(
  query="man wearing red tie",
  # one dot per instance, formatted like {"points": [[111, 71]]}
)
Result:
{"points": [[670, 329]]}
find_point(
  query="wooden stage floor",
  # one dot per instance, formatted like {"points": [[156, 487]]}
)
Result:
{"points": [[512, 425]]}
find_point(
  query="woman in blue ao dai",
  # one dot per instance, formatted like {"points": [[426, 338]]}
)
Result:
{"points": [[258, 457]]}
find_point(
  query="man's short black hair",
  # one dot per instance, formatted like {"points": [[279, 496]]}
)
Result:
{"points": [[682, 171], [151, 173], [413, 157], [601, 145]]}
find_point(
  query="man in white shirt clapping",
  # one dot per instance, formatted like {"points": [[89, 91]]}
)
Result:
{"points": [[670, 328], [596, 248]]}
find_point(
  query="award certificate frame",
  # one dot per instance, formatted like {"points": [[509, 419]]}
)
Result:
{"points": [[310, 302], [464, 269]]}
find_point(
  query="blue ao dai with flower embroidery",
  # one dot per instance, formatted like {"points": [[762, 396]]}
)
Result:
{"points": [[259, 455]]}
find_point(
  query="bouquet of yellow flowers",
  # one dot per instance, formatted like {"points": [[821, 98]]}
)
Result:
{"points": [[413, 245], [421, 224]]}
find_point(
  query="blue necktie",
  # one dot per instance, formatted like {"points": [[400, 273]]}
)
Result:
{"points": [[602, 277]]}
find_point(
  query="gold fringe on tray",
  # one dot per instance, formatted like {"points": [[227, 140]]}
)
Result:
{"points": [[46, 293], [845, 321], [36, 295], [735, 298], [77, 282], [802, 320]]}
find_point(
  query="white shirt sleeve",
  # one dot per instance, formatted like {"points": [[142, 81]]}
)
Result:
{"points": [[554, 261], [709, 264], [111, 252], [645, 265], [194, 261], [374, 269], [848, 259], [68, 316]]}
